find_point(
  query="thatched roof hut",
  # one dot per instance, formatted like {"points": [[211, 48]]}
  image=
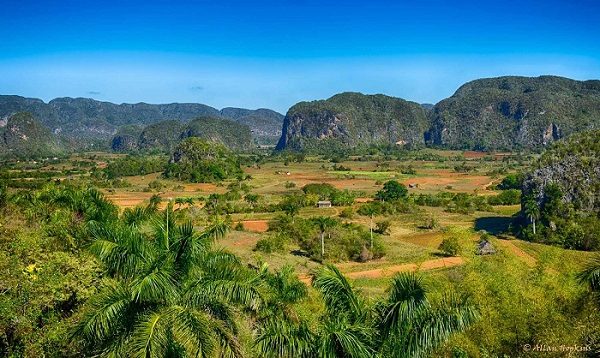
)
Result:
{"points": [[485, 248]]}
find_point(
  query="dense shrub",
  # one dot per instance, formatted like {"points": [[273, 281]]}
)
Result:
{"points": [[342, 241], [323, 190], [383, 227], [270, 244], [450, 246], [462, 203], [506, 197], [347, 213], [392, 190]]}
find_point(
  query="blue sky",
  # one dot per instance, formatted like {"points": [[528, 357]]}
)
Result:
{"points": [[276, 53]]}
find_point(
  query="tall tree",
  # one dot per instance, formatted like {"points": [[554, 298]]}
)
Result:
{"points": [[324, 223], [532, 210], [291, 206], [392, 190], [370, 211]]}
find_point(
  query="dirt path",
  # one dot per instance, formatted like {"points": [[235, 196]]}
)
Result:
{"points": [[528, 259], [486, 186], [392, 270]]}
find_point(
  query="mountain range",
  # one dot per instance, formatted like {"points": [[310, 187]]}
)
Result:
{"points": [[503, 113], [91, 122]]}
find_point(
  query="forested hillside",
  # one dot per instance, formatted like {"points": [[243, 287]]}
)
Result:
{"points": [[508, 113], [353, 119], [87, 121]]}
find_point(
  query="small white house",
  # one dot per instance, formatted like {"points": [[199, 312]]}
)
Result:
{"points": [[324, 204]]}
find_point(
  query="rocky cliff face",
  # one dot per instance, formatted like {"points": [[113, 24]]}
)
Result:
{"points": [[573, 165], [353, 119], [514, 112]]}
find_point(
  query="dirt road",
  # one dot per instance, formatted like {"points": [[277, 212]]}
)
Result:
{"points": [[389, 271]]}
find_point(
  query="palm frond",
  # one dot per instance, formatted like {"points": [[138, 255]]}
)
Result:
{"points": [[277, 337], [215, 231], [151, 336], [218, 258], [337, 292], [191, 330], [407, 286], [120, 249], [406, 296], [228, 341], [157, 285], [340, 338], [430, 326], [242, 292], [136, 216], [104, 316], [286, 284], [591, 274]]}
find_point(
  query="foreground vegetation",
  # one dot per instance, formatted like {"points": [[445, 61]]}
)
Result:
{"points": [[104, 254]]}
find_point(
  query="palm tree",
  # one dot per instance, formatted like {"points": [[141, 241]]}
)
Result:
{"points": [[532, 210], [153, 204], [189, 201], [347, 328], [281, 333], [370, 211], [136, 216], [405, 324], [409, 325], [324, 223], [86, 203], [166, 295]]}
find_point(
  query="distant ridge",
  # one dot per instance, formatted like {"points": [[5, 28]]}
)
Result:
{"points": [[92, 122], [504, 113], [508, 113]]}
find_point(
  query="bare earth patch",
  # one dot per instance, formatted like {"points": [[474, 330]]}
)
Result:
{"points": [[256, 225]]}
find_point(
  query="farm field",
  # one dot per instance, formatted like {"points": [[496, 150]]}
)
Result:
{"points": [[406, 243], [533, 277], [408, 247]]}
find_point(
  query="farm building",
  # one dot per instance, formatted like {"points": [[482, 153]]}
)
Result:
{"points": [[324, 204]]}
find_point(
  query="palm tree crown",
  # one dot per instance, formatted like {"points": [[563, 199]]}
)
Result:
{"points": [[168, 293]]}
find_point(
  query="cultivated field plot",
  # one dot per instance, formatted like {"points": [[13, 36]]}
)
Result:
{"points": [[407, 246]]}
